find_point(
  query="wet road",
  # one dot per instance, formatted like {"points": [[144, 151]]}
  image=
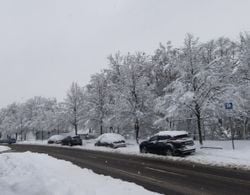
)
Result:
{"points": [[166, 177]]}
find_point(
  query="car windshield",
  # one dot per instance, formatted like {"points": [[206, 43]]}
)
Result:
{"points": [[121, 141]]}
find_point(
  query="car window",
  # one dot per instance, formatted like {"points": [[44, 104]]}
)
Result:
{"points": [[165, 137], [181, 136], [153, 138]]}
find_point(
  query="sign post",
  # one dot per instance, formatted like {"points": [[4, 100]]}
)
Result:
{"points": [[229, 106]]}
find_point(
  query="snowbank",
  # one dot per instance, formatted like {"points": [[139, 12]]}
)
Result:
{"points": [[238, 158], [30, 173], [4, 148]]}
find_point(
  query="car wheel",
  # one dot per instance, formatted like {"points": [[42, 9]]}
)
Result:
{"points": [[143, 149], [169, 152]]}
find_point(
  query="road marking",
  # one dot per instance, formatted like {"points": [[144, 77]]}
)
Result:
{"points": [[92, 157], [164, 171], [141, 176]]}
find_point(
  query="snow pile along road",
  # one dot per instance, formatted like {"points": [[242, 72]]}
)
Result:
{"points": [[4, 148], [30, 173]]}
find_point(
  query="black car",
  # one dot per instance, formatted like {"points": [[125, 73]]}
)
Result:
{"points": [[169, 143], [72, 141], [8, 141]]}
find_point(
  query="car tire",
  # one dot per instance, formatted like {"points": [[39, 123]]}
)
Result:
{"points": [[168, 152], [143, 150]]}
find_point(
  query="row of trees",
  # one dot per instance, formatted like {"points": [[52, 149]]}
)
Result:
{"points": [[138, 94]]}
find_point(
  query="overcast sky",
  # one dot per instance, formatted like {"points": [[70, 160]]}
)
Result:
{"points": [[47, 44]]}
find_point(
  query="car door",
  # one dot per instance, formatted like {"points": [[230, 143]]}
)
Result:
{"points": [[160, 146], [151, 146]]}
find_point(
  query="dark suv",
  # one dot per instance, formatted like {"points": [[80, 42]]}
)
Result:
{"points": [[169, 143], [72, 141], [8, 141]]}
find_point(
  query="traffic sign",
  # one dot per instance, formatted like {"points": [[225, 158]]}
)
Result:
{"points": [[229, 106]]}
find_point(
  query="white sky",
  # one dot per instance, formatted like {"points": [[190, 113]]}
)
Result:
{"points": [[47, 44]]}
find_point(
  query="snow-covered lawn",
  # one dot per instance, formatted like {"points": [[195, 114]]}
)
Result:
{"points": [[238, 158], [4, 148], [39, 174]]}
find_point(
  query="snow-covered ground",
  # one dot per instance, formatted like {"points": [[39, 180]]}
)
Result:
{"points": [[238, 158], [31, 173], [4, 148]]}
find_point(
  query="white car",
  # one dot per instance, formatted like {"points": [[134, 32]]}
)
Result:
{"points": [[55, 139], [112, 140]]}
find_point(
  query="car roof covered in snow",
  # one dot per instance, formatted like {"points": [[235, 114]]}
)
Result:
{"points": [[56, 137], [110, 137], [171, 133]]}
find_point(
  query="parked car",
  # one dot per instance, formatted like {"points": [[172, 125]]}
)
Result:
{"points": [[169, 143], [8, 141], [89, 136], [112, 140], [72, 141], [55, 139]]}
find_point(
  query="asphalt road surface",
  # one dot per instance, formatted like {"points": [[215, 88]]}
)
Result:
{"points": [[166, 177]]}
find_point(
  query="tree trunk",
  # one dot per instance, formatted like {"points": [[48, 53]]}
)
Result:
{"points": [[204, 131], [76, 128], [199, 128], [198, 116], [194, 132], [101, 128], [25, 136], [137, 128], [245, 128], [21, 135], [75, 120]]}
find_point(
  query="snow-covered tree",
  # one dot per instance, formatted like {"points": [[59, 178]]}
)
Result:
{"points": [[175, 88], [97, 98], [133, 94], [74, 104]]}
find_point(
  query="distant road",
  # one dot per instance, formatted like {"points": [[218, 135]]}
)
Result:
{"points": [[166, 177]]}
